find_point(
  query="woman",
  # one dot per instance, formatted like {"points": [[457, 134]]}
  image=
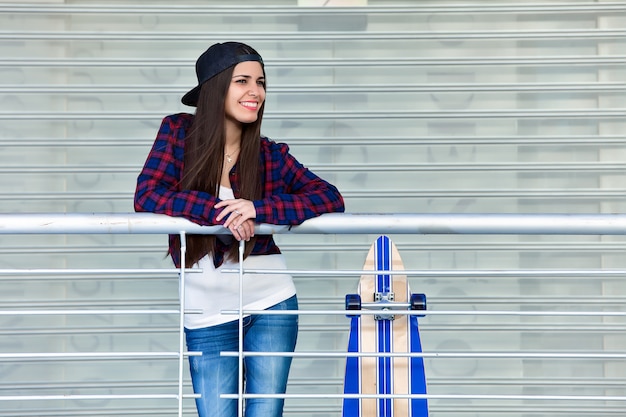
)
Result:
{"points": [[215, 168]]}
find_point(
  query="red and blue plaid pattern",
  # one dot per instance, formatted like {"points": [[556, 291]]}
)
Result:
{"points": [[291, 192]]}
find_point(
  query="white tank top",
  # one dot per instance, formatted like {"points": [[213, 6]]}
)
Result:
{"points": [[212, 291]]}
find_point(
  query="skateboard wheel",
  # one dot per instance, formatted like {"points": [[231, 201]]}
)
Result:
{"points": [[353, 302], [418, 302]]}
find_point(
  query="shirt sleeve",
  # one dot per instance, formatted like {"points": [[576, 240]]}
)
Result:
{"points": [[293, 193], [158, 185]]}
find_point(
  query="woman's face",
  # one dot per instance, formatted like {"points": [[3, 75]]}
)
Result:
{"points": [[246, 93]]}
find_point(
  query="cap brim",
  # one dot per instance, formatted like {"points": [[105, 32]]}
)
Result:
{"points": [[191, 98]]}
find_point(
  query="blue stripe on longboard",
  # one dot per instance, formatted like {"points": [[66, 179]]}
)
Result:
{"points": [[353, 372], [382, 255], [419, 407]]}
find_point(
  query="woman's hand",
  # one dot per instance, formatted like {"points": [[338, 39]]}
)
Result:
{"points": [[239, 215]]}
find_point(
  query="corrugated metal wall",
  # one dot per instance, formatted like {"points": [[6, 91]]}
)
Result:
{"points": [[406, 106]]}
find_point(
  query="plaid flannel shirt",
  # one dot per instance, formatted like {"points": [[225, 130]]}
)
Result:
{"points": [[291, 192]]}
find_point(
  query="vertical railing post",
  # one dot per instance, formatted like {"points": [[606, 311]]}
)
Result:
{"points": [[181, 321], [242, 246]]}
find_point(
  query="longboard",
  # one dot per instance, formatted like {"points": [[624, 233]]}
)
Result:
{"points": [[381, 333]]}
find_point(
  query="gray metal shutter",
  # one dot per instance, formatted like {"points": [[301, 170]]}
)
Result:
{"points": [[408, 107]]}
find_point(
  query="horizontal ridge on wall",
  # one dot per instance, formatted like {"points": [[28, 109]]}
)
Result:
{"points": [[565, 7], [537, 35], [514, 245], [538, 140], [603, 166], [575, 113], [608, 194], [612, 87], [541, 61]]}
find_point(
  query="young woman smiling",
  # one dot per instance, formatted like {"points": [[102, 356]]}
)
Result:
{"points": [[215, 168]]}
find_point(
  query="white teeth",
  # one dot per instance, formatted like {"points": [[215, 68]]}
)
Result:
{"points": [[248, 104]]}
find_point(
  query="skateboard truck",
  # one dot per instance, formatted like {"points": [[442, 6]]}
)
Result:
{"points": [[385, 302]]}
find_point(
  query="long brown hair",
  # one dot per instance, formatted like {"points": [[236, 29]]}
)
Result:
{"points": [[204, 157]]}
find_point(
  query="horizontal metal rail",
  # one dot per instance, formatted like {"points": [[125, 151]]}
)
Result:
{"points": [[443, 396], [36, 356], [101, 271], [437, 355], [435, 313], [129, 304], [331, 223], [424, 273], [75, 312], [66, 397]]}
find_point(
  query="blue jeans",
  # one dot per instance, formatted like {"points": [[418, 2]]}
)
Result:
{"points": [[212, 374]]}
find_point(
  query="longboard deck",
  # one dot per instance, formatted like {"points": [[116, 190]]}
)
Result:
{"points": [[400, 334]]}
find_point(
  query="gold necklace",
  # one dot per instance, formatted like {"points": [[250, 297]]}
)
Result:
{"points": [[228, 156]]}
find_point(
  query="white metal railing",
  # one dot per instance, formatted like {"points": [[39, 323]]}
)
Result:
{"points": [[332, 223], [146, 223]]}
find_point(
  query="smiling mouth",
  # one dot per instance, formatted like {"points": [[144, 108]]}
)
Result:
{"points": [[252, 105]]}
